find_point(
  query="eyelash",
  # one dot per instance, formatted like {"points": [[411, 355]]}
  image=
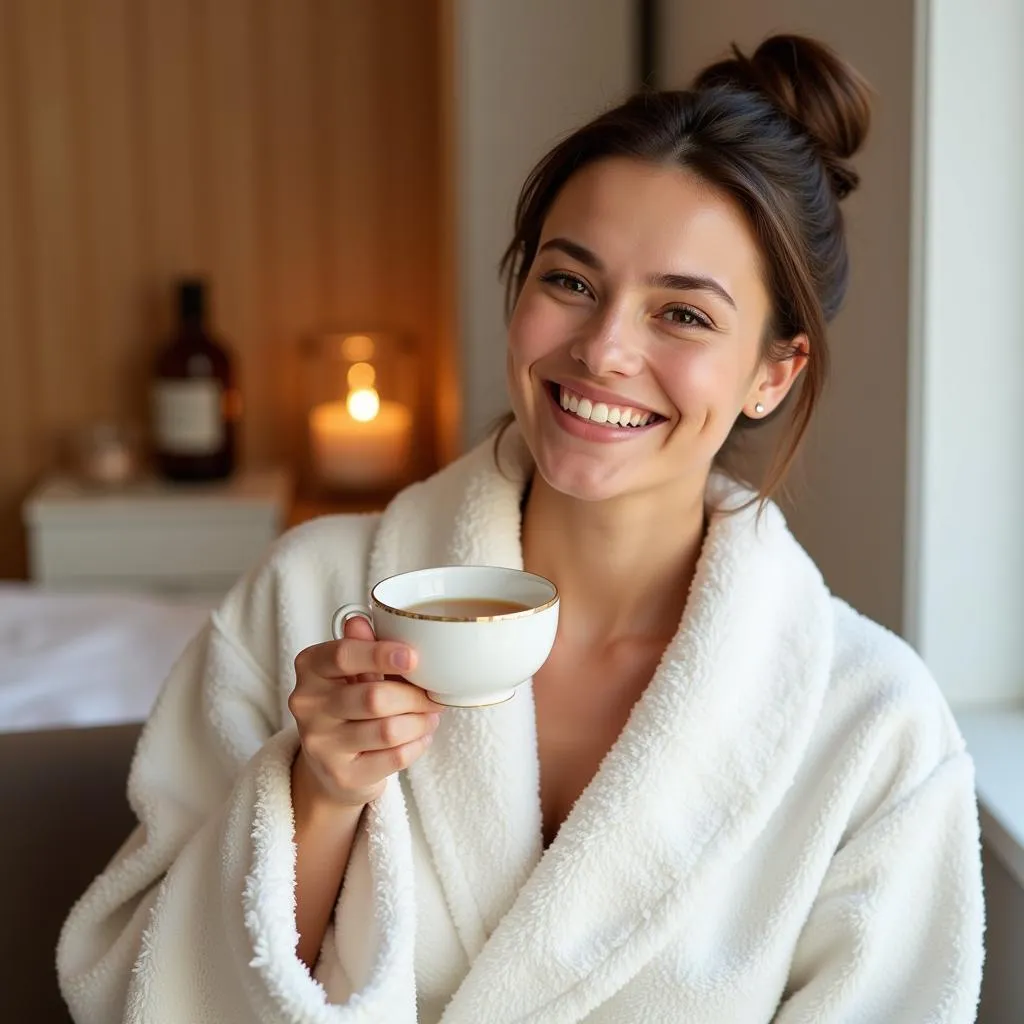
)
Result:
{"points": [[561, 278], [700, 320]]}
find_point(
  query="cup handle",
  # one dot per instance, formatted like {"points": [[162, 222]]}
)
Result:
{"points": [[346, 612]]}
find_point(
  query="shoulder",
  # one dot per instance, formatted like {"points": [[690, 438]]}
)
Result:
{"points": [[872, 664], [888, 720], [302, 576], [326, 538], [324, 548]]}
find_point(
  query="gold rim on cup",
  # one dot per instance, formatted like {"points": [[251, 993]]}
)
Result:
{"points": [[404, 613]]}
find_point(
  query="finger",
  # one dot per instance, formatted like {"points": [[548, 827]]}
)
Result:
{"points": [[384, 733], [382, 699], [378, 764], [338, 658], [357, 627]]}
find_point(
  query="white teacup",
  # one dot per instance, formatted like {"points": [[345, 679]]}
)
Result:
{"points": [[479, 631]]}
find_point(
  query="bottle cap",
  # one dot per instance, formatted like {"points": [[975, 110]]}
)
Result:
{"points": [[192, 298]]}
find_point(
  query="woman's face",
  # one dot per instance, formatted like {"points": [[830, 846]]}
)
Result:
{"points": [[644, 305]]}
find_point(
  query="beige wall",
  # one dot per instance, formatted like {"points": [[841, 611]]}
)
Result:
{"points": [[290, 149], [525, 73], [848, 506]]}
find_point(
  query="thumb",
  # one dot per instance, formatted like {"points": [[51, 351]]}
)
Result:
{"points": [[358, 628]]}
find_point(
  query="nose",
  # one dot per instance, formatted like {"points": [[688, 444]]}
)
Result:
{"points": [[608, 348]]}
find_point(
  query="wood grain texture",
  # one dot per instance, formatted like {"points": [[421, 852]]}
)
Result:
{"points": [[293, 151], [18, 407]]}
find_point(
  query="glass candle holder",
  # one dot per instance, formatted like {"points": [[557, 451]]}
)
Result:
{"points": [[360, 411]]}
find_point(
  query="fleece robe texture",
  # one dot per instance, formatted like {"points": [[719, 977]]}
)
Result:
{"points": [[784, 831]]}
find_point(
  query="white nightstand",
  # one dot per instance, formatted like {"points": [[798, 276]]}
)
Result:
{"points": [[153, 536]]}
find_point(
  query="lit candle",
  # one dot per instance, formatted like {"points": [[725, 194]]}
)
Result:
{"points": [[361, 443]]}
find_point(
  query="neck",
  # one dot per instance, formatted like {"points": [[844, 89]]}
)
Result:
{"points": [[622, 567]]}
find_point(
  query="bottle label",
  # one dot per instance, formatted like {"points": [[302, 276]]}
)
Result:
{"points": [[187, 417]]}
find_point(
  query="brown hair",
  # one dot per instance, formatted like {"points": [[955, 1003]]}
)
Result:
{"points": [[772, 131]]}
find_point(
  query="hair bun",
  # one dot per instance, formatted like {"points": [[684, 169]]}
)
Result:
{"points": [[812, 85]]}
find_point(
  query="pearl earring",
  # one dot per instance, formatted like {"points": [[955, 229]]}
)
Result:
{"points": [[759, 408]]}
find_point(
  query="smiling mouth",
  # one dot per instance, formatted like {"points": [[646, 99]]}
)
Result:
{"points": [[601, 413]]}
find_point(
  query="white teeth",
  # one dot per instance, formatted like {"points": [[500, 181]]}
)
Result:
{"points": [[601, 412]]}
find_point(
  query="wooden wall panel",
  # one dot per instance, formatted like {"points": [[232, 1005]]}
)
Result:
{"points": [[229, 215], [290, 150], [348, 96], [414, 31], [54, 215], [18, 420], [170, 135], [111, 242]]}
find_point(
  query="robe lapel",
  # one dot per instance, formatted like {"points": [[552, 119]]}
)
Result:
{"points": [[706, 755], [477, 790]]}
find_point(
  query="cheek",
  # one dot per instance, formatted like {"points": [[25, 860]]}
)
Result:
{"points": [[527, 333], [702, 382], [693, 373], [536, 328]]}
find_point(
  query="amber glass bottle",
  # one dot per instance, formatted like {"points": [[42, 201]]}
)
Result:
{"points": [[194, 398]]}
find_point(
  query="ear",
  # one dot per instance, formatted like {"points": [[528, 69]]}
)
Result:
{"points": [[774, 378]]}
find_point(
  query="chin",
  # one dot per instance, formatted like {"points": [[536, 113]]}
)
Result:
{"points": [[583, 477]]}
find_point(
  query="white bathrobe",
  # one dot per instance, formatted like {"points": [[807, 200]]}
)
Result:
{"points": [[784, 831]]}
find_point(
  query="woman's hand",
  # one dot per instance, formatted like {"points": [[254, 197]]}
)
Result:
{"points": [[359, 721]]}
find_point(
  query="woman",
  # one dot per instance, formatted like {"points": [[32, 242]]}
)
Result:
{"points": [[726, 797]]}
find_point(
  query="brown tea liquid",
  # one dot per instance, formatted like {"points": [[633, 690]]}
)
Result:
{"points": [[467, 607]]}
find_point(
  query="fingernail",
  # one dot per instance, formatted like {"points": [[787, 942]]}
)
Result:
{"points": [[428, 739], [435, 719], [401, 658]]}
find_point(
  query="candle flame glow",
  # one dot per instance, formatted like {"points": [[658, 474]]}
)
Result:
{"points": [[363, 404], [361, 375]]}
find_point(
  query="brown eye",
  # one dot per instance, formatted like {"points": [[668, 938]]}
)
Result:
{"points": [[686, 316], [567, 282]]}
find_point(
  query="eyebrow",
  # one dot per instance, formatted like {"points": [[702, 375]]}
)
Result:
{"points": [[675, 282]]}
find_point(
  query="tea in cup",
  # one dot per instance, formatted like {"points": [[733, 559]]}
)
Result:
{"points": [[479, 631]]}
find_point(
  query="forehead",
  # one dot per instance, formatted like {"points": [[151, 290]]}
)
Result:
{"points": [[647, 218]]}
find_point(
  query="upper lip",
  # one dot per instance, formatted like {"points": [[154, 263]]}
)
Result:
{"points": [[596, 394]]}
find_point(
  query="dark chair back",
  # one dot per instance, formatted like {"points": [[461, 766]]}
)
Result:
{"points": [[63, 815]]}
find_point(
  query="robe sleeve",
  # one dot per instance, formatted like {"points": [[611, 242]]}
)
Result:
{"points": [[895, 933], [194, 918]]}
